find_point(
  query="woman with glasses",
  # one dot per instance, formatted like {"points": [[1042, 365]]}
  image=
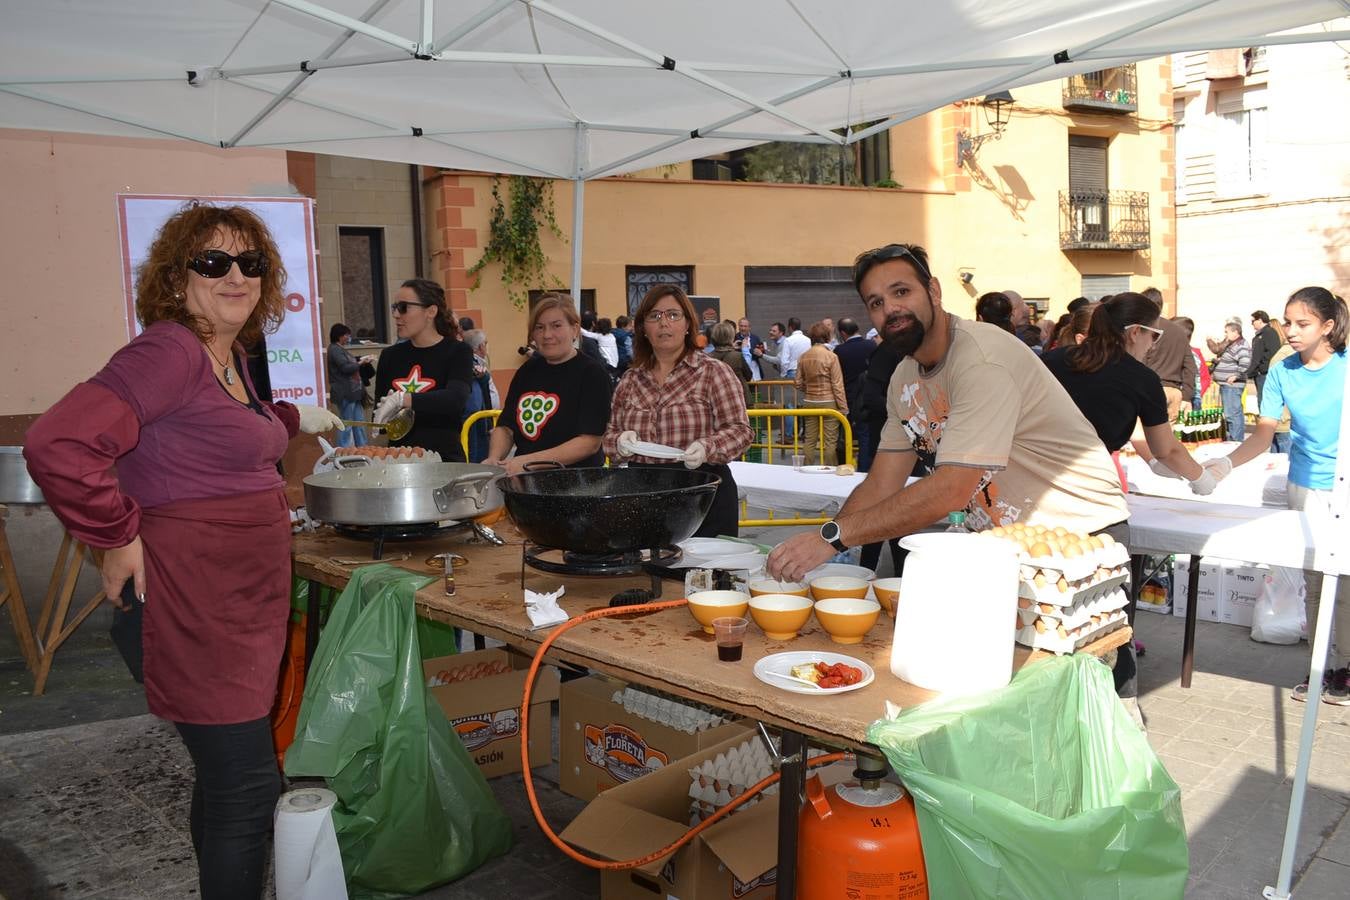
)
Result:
{"points": [[167, 461], [675, 395], [429, 371], [557, 405], [1123, 398]]}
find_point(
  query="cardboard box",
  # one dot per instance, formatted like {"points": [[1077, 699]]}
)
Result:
{"points": [[485, 710], [601, 744], [1241, 585], [1210, 577], [735, 858]]}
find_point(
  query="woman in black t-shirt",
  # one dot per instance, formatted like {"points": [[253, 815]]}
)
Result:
{"points": [[558, 404], [429, 371], [1108, 381]]}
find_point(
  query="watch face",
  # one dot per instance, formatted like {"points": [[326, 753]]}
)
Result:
{"points": [[830, 531]]}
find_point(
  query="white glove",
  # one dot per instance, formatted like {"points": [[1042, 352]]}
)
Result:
{"points": [[627, 443], [314, 419], [1161, 470], [367, 360], [1221, 467], [388, 406], [695, 455], [1206, 483]]}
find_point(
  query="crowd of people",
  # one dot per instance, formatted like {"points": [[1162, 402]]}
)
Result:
{"points": [[168, 460]]}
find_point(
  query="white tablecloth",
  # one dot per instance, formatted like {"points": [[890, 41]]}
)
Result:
{"points": [[782, 489], [1261, 482], [1279, 537]]}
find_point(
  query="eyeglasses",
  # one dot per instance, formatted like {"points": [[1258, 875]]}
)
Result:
{"points": [[216, 263], [870, 258], [674, 315], [1154, 333], [401, 307]]}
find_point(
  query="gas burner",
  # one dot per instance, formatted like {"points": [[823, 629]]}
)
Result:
{"points": [[567, 562], [412, 532]]}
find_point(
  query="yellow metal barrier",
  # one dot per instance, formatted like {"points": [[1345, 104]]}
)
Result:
{"points": [[764, 445], [472, 421]]}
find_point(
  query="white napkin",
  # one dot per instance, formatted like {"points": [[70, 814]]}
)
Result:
{"points": [[543, 609]]}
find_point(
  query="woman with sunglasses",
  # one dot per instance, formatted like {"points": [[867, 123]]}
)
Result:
{"points": [[1310, 384], [557, 405], [1123, 398], [428, 371], [675, 395], [166, 460]]}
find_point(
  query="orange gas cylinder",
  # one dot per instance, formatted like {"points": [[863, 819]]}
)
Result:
{"points": [[859, 841]]}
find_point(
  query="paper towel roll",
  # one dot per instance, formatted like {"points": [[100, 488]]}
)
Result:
{"points": [[308, 863]]}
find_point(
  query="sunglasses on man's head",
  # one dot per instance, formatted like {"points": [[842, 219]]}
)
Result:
{"points": [[216, 263], [401, 307], [886, 254]]}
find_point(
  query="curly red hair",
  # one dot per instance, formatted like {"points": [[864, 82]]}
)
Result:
{"points": [[161, 278]]}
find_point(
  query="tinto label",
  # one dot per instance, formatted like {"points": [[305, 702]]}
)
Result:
{"points": [[621, 752], [482, 729]]}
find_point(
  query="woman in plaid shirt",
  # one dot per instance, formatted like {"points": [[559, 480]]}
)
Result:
{"points": [[676, 396]]}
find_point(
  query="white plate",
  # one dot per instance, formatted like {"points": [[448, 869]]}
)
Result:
{"points": [[836, 569], [751, 562], [715, 547], [782, 663], [656, 451], [817, 470]]}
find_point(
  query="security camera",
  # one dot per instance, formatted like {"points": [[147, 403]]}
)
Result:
{"points": [[967, 277]]}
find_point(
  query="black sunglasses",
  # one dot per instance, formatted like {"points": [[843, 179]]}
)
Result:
{"points": [[216, 263], [401, 307], [866, 261]]}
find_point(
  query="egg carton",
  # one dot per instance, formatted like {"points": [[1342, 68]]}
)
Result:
{"points": [[673, 713], [715, 782], [1077, 568], [1060, 642], [1070, 616], [1053, 592], [453, 674]]}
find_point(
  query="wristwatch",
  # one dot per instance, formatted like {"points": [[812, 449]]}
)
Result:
{"points": [[830, 532]]}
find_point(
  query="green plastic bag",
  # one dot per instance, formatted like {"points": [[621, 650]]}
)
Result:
{"points": [[413, 810], [435, 638], [1043, 789]]}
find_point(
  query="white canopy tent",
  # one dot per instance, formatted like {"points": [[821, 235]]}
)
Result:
{"points": [[579, 89]]}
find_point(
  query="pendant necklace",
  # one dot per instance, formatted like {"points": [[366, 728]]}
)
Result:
{"points": [[228, 373]]}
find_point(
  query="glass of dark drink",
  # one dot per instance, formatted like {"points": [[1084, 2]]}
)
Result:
{"points": [[730, 634]]}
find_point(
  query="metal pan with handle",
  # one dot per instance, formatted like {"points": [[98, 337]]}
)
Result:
{"points": [[395, 494]]}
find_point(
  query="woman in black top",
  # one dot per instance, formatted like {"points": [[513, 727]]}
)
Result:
{"points": [[1116, 392], [558, 404], [429, 371]]}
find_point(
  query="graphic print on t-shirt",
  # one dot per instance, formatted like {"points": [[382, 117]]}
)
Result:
{"points": [[414, 382], [534, 410]]}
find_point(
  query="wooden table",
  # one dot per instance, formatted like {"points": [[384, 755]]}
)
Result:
{"points": [[665, 650]]}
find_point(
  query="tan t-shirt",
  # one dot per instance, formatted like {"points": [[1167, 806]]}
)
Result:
{"points": [[992, 404]]}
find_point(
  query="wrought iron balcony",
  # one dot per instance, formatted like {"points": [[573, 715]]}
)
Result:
{"points": [[1107, 90], [1103, 220]]}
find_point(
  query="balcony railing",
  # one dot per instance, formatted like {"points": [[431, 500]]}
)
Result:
{"points": [[1107, 90], [1103, 220]]}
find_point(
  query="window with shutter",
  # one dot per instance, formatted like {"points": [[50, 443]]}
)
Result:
{"points": [[1088, 195], [1240, 141]]}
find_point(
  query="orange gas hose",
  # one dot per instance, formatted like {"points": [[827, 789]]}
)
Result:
{"points": [[689, 835]]}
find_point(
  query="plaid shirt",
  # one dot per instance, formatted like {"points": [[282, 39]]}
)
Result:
{"points": [[702, 400]]}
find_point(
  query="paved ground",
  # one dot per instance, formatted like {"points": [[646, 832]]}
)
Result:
{"points": [[98, 809]]}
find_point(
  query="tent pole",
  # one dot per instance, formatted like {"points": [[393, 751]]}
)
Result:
{"points": [[1321, 638], [578, 210]]}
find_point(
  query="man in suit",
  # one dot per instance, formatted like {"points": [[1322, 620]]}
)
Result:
{"points": [[746, 342], [1265, 344], [853, 355]]}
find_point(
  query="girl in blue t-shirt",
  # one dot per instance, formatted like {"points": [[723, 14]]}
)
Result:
{"points": [[1311, 384]]}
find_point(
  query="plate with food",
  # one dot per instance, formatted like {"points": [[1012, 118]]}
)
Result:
{"points": [[815, 671], [817, 470]]}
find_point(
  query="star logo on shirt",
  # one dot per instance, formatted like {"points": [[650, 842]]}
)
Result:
{"points": [[414, 382]]}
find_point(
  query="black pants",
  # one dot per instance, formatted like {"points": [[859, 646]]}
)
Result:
{"points": [[233, 800]]}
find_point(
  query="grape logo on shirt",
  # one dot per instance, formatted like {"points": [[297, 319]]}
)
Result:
{"points": [[414, 382], [534, 410]]}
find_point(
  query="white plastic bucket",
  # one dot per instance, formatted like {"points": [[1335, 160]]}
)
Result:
{"points": [[954, 623]]}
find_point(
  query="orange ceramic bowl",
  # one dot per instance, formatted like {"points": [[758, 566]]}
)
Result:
{"points": [[705, 606], [781, 616], [769, 586], [847, 619], [838, 586], [888, 593]]}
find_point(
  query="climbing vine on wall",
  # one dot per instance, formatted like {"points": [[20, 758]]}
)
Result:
{"points": [[514, 236]]}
